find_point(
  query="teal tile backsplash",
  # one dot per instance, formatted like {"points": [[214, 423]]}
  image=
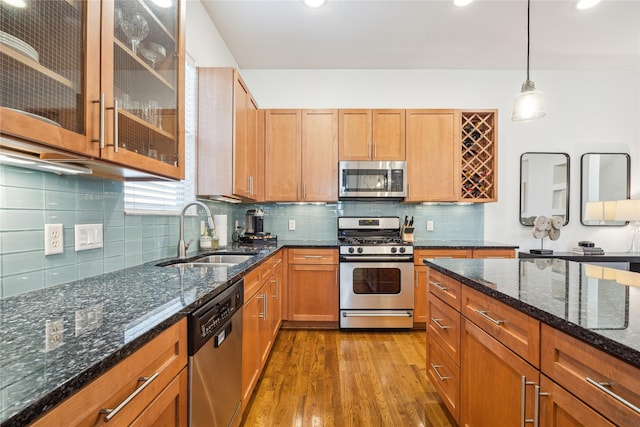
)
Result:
{"points": [[30, 199]]}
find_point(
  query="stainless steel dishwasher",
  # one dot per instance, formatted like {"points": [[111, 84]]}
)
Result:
{"points": [[215, 360]]}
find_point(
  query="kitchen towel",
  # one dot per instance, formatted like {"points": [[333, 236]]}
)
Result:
{"points": [[221, 229]]}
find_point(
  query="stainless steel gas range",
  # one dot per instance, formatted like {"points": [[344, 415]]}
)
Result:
{"points": [[376, 273]]}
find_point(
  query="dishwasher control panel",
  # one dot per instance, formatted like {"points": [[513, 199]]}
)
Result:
{"points": [[214, 316]]}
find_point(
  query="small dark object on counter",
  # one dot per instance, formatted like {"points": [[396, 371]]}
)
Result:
{"points": [[586, 244], [258, 240]]}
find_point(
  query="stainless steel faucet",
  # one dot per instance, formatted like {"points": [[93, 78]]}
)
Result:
{"points": [[182, 246]]}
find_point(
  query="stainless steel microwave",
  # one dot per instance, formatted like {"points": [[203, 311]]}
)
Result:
{"points": [[372, 179]]}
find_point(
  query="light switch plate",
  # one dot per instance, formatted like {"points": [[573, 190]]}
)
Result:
{"points": [[429, 225], [88, 236], [292, 224]]}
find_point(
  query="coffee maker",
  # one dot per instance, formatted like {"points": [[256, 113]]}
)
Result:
{"points": [[254, 222]]}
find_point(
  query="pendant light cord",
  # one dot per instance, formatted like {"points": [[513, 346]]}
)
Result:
{"points": [[528, 35]]}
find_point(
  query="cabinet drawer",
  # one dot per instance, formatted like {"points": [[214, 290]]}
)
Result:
{"points": [[560, 408], [420, 255], [159, 362], [313, 256], [444, 287], [252, 282], [277, 260], [511, 327], [494, 253], [445, 377], [583, 369], [443, 326]]}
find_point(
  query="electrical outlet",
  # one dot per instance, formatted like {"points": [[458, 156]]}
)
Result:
{"points": [[53, 239], [292, 224], [429, 225], [53, 333]]}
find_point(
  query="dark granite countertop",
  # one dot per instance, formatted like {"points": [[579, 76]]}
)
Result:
{"points": [[133, 306], [592, 303], [460, 244]]}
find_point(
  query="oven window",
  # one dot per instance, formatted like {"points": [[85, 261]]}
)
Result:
{"points": [[376, 280]]}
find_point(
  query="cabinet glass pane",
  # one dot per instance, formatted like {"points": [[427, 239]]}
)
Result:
{"points": [[41, 60], [146, 78]]}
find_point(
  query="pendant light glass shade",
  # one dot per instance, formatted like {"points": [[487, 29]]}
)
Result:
{"points": [[529, 104]]}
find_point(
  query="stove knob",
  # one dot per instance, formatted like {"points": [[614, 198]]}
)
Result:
{"points": [[351, 250], [402, 249], [359, 250], [393, 250]]}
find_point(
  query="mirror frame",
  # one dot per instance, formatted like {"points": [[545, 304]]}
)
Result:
{"points": [[568, 176], [582, 184]]}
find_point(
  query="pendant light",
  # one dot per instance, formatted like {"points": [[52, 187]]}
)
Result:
{"points": [[529, 104]]}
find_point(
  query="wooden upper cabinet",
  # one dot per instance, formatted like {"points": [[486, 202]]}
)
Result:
{"points": [[388, 135], [433, 157], [228, 149], [282, 155], [49, 85], [320, 155], [301, 159], [355, 135], [62, 86], [372, 134]]}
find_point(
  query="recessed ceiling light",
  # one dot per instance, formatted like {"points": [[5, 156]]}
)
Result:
{"points": [[462, 2], [586, 4], [315, 3]]}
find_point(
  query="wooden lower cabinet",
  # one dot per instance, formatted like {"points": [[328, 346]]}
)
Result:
{"points": [[559, 408], [421, 278], [169, 408], [261, 320], [313, 285], [162, 401], [420, 295], [495, 382]]}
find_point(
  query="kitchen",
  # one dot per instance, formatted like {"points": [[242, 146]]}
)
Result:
{"points": [[142, 239]]}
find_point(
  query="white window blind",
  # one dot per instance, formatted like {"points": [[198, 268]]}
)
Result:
{"points": [[168, 197]]}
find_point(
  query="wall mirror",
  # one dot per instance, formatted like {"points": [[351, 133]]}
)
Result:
{"points": [[603, 177], [544, 186]]}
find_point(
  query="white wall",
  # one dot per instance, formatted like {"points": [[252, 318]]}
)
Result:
{"points": [[586, 112]]}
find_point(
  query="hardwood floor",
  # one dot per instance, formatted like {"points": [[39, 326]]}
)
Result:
{"points": [[346, 378]]}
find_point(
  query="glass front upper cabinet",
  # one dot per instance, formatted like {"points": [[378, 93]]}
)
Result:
{"points": [[101, 79]]}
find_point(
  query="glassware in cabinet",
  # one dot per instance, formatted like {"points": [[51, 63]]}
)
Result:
{"points": [[48, 75], [146, 52]]}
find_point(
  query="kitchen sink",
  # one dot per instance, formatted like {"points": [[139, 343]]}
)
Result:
{"points": [[222, 260]]}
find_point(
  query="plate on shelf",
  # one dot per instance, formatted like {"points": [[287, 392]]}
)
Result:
{"points": [[19, 46], [35, 116]]}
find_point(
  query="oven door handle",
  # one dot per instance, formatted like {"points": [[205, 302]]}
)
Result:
{"points": [[369, 314], [376, 258]]}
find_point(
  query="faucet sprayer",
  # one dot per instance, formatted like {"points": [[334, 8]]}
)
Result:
{"points": [[182, 246]]}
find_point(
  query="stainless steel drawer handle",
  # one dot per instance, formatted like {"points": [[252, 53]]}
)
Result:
{"points": [[437, 285], [523, 396], [440, 325], [313, 256], [484, 314], [112, 412], [603, 388], [435, 369]]}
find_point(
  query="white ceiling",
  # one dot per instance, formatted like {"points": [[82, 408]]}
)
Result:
{"points": [[429, 34]]}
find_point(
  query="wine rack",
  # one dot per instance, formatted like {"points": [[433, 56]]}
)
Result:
{"points": [[479, 156]]}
